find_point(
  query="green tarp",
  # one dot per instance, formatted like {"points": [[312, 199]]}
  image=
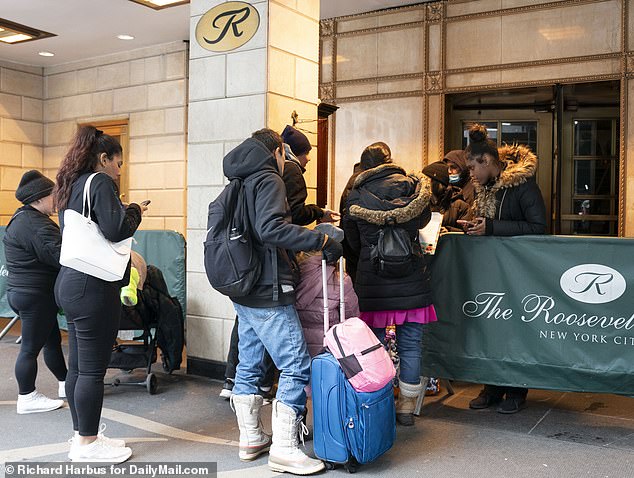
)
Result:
{"points": [[164, 249], [535, 311]]}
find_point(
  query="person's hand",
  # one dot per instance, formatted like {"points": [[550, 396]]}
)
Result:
{"points": [[143, 208], [477, 227], [464, 224], [332, 250], [444, 230], [330, 216]]}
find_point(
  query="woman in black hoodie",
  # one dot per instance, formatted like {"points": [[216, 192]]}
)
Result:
{"points": [[92, 305], [32, 244]]}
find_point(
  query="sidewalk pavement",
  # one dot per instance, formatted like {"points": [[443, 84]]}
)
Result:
{"points": [[559, 435]]}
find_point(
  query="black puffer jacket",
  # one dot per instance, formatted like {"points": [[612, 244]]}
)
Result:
{"points": [[270, 219], [382, 193], [513, 204], [31, 245], [115, 221]]}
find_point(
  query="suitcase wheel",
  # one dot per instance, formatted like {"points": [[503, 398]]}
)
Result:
{"points": [[329, 465], [352, 466]]}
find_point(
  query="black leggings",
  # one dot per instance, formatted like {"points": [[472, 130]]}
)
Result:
{"points": [[93, 310], [38, 316]]}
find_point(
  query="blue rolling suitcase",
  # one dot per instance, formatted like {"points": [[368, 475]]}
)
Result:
{"points": [[349, 427]]}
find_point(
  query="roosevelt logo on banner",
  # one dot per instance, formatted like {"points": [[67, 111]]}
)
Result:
{"points": [[227, 26], [593, 283]]}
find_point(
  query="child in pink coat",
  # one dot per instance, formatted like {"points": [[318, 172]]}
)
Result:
{"points": [[310, 298]]}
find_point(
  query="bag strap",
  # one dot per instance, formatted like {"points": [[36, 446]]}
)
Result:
{"points": [[86, 196]]}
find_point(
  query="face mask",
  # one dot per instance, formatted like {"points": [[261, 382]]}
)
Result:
{"points": [[454, 178]]}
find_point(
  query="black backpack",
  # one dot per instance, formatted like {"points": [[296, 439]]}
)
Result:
{"points": [[231, 262], [394, 253]]}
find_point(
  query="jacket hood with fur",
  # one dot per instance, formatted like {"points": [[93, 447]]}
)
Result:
{"points": [[521, 165], [401, 209]]}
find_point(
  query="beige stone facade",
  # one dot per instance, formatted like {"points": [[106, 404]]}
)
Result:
{"points": [[21, 132], [232, 94], [392, 72], [144, 89]]}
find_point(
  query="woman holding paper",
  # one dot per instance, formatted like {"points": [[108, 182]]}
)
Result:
{"points": [[92, 306], [386, 202], [508, 202]]}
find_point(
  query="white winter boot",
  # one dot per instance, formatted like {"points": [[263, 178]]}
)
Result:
{"points": [[253, 440], [285, 454], [406, 403]]}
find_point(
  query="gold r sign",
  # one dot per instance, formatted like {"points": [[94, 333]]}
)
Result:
{"points": [[227, 26]]}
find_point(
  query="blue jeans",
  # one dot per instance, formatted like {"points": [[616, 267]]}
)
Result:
{"points": [[278, 331], [409, 338]]}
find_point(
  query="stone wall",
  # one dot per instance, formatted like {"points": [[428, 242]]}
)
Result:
{"points": [[146, 87], [21, 132]]}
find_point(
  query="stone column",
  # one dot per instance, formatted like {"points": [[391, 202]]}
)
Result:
{"points": [[231, 94]]}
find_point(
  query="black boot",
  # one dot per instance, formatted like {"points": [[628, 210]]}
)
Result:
{"points": [[488, 396]]}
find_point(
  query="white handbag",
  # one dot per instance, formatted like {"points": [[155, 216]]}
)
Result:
{"points": [[85, 249]]}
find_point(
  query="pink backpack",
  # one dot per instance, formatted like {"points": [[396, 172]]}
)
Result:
{"points": [[363, 359]]}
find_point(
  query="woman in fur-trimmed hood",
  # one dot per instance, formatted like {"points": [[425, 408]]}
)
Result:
{"points": [[384, 193], [508, 202]]}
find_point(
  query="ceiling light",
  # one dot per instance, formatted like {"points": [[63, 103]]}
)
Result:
{"points": [[12, 33], [46, 53], [125, 37], [160, 4]]}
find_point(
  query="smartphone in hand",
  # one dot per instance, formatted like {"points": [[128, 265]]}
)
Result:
{"points": [[465, 224], [146, 202]]}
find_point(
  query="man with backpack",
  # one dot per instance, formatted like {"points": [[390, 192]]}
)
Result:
{"points": [[265, 302]]}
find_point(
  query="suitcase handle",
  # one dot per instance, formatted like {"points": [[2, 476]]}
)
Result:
{"points": [[342, 302]]}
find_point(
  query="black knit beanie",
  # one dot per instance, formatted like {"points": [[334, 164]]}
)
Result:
{"points": [[33, 186], [296, 140], [437, 171]]}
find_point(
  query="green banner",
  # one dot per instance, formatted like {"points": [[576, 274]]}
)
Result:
{"points": [[534, 311]]}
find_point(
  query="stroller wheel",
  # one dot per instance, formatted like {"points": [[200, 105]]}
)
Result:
{"points": [[151, 383]]}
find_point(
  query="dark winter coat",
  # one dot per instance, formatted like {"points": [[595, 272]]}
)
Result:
{"points": [[270, 218], [116, 221], [456, 209], [467, 189], [302, 214], [32, 245], [378, 195], [512, 204]]}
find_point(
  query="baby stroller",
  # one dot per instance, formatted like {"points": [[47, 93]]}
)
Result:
{"points": [[158, 319]]}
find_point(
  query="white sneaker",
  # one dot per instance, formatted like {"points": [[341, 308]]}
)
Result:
{"points": [[113, 442], [99, 451], [61, 390], [35, 402]]}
